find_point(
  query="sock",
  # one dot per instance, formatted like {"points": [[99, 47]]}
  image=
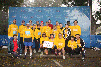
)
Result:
{"points": [[30, 54], [25, 53]]}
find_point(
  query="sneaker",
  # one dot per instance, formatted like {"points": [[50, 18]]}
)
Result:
{"points": [[34, 51], [30, 57], [20, 54], [39, 50], [83, 58], [41, 53], [24, 57], [56, 53], [9, 53], [63, 57]]}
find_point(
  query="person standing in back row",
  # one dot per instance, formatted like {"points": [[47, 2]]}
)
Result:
{"points": [[76, 28], [21, 28], [49, 24]]}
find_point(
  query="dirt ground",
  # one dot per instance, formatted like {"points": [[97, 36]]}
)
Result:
{"points": [[92, 59]]}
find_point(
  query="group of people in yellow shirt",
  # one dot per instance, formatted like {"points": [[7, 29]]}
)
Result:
{"points": [[65, 39]]}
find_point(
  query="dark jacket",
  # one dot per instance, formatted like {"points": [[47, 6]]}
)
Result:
{"points": [[11, 46], [68, 33], [81, 42]]}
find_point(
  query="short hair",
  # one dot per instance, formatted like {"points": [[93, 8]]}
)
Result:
{"points": [[59, 33], [66, 24], [51, 34], [43, 34], [14, 35], [77, 34], [38, 24], [46, 22], [57, 21], [49, 19], [68, 21], [60, 23], [30, 20], [72, 36], [34, 24], [75, 20]]}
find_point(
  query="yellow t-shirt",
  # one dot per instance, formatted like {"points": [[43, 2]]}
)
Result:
{"points": [[55, 32], [70, 44], [47, 30], [28, 33], [43, 39], [60, 43], [54, 42], [37, 33], [21, 28], [13, 29], [78, 43], [76, 30]]}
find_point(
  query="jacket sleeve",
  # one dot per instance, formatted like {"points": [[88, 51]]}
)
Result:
{"points": [[63, 33], [69, 33], [9, 29], [82, 43]]}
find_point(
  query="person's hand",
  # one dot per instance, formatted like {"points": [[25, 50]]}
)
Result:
{"points": [[32, 41], [59, 49], [40, 45], [72, 47], [82, 48], [37, 40]]}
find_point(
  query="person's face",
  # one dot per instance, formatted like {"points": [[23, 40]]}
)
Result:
{"points": [[77, 36], [15, 37], [34, 26], [38, 26], [47, 24], [75, 23], [72, 39], [60, 25], [54, 27], [37, 22], [42, 24], [68, 23], [52, 36], [49, 21], [66, 26], [14, 21], [44, 35], [60, 35], [28, 25], [23, 23], [57, 23], [30, 22]]}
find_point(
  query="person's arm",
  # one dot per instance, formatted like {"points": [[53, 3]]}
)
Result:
{"points": [[23, 35], [17, 31], [63, 43], [69, 44], [75, 45], [82, 43], [32, 35], [64, 33], [9, 30]]}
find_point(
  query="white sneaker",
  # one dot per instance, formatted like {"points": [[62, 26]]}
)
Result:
{"points": [[63, 57], [20, 54], [39, 50], [9, 53], [34, 51], [41, 53], [83, 58]]}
